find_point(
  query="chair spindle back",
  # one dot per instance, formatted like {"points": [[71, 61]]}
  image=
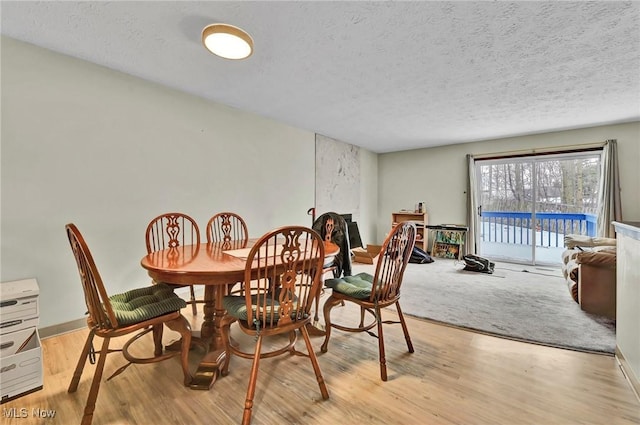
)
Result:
{"points": [[171, 230], [282, 267], [101, 313], [229, 228], [392, 262]]}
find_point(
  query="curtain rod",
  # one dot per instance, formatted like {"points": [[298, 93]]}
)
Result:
{"points": [[541, 151]]}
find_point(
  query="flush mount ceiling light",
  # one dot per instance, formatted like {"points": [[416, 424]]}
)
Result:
{"points": [[227, 41]]}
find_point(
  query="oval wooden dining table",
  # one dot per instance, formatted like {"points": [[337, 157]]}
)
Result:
{"points": [[216, 266]]}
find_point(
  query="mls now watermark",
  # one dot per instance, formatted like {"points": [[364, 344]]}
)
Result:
{"points": [[23, 412]]}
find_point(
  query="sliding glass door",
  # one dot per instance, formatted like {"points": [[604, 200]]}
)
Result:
{"points": [[527, 204]]}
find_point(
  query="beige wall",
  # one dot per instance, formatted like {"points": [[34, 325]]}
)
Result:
{"points": [[439, 175], [107, 151]]}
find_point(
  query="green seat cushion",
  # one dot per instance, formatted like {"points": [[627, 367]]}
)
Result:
{"points": [[356, 286], [146, 303], [236, 305]]}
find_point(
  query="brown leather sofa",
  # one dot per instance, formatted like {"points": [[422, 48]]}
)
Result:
{"points": [[589, 266]]}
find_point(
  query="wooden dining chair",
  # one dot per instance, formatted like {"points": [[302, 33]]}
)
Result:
{"points": [[171, 230], [229, 228], [333, 228], [372, 293], [136, 312], [291, 257]]}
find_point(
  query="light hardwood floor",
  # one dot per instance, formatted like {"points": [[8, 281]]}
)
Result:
{"points": [[454, 377]]}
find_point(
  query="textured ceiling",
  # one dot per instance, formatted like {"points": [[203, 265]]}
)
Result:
{"points": [[386, 76]]}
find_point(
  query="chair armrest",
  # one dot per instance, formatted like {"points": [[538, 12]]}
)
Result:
{"points": [[572, 241]]}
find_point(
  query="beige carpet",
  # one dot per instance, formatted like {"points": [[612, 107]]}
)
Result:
{"points": [[526, 303]]}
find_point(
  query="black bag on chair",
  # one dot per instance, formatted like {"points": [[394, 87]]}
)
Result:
{"points": [[479, 264], [340, 237]]}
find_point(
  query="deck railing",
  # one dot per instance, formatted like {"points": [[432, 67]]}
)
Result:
{"points": [[516, 227]]}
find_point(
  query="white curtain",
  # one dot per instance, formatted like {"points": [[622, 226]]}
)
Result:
{"points": [[472, 206], [609, 203]]}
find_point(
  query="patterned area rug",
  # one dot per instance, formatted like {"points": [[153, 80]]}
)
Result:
{"points": [[527, 303]]}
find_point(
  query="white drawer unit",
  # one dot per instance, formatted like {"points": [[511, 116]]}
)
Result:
{"points": [[21, 372], [19, 307], [15, 342], [20, 350]]}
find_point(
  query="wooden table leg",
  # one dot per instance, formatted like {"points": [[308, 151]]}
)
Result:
{"points": [[207, 329], [208, 369]]}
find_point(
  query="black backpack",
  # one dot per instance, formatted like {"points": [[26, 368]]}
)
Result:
{"points": [[418, 256], [476, 263]]}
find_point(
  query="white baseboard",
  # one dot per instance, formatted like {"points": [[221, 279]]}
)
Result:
{"points": [[62, 328], [633, 380]]}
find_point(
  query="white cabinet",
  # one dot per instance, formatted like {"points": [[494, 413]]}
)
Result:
{"points": [[20, 350], [628, 300]]}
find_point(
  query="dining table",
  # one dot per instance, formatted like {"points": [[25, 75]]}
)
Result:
{"points": [[216, 266]]}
